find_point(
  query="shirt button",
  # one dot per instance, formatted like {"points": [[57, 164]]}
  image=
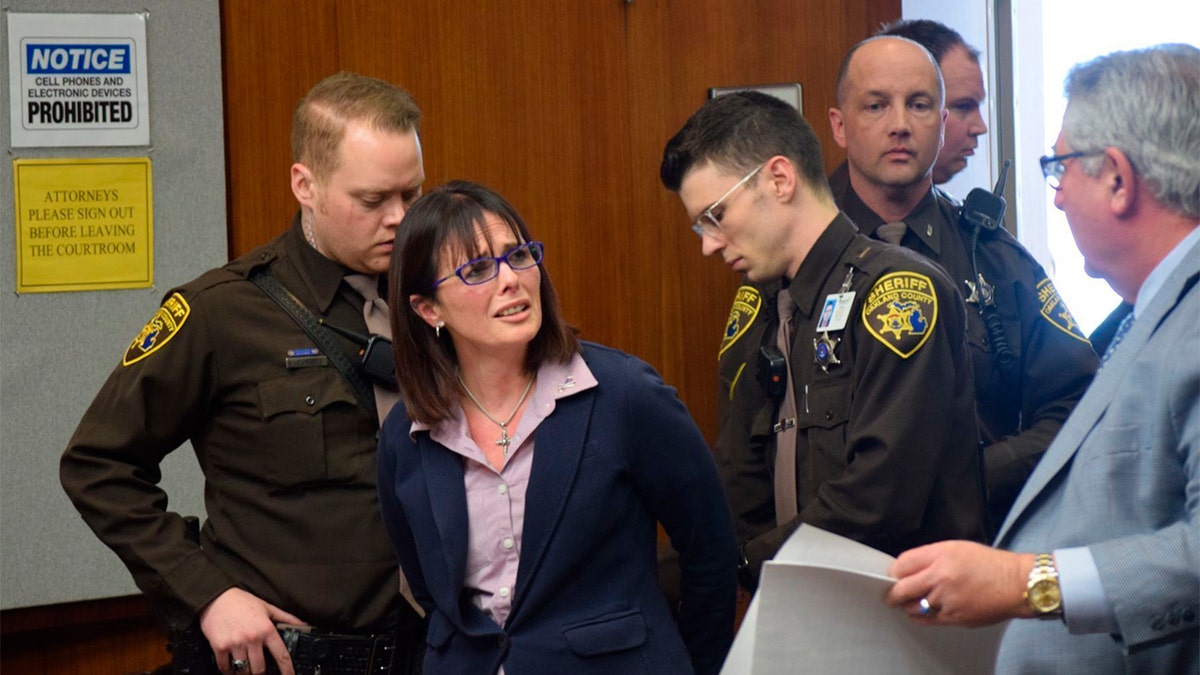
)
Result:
{"points": [[503, 591], [503, 489], [508, 542], [829, 414], [310, 400]]}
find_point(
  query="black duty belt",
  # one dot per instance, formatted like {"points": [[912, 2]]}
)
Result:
{"points": [[314, 652], [338, 654]]}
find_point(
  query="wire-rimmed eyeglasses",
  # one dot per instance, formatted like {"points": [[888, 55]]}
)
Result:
{"points": [[710, 224], [483, 270], [1054, 166]]}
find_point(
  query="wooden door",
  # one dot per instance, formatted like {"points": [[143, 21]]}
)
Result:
{"points": [[564, 108]]}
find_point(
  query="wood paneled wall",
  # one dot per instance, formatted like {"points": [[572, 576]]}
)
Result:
{"points": [[95, 637], [561, 106], [564, 108]]}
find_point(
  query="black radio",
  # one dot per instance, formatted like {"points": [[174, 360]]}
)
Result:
{"points": [[772, 372]]}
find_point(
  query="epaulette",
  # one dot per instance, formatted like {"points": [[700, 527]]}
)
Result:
{"points": [[868, 257], [235, 270], [176, 305], [172, 314], [247, 263]]}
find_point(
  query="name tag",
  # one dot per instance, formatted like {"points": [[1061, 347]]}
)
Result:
{"points": [[836, 312], [306, 357]]}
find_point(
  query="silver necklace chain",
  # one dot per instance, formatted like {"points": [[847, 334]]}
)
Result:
{"points": [[504, 440]]}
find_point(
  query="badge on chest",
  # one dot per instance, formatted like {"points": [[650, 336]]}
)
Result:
{"points": [[835, 314]]}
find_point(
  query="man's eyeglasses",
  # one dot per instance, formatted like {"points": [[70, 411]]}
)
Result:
{"points": [[706, 222], [483, 270], [1053, 166]]}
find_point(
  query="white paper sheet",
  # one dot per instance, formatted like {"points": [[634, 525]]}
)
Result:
{"points": [[819, 609]]}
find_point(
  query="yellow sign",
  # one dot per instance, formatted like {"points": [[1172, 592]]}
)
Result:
{"points": [[83, 224]]}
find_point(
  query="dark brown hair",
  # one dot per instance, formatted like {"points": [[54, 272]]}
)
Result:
{"points": [[938, 38], [740, 130], [447, 222]]}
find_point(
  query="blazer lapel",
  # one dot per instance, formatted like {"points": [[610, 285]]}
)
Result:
{"points": [[558, 451], [448, 503], [1102, 391]]}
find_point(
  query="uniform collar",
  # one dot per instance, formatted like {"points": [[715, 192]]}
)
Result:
{"points": [[923, 221], [320, 275], [821, 261]]}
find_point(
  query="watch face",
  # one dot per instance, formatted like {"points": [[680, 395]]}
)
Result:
{"points": [[1044, 595]]}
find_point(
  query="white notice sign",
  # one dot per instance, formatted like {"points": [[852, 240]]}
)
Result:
{"points": [[78, 80]]}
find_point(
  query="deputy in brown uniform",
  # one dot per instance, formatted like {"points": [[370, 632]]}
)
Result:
{"points": [[286, 446], [877, 440], [1034, 364]]}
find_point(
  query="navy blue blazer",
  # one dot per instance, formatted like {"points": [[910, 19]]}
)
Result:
{"points": [[610, 463]]}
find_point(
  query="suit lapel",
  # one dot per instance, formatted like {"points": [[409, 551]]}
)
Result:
{"points": [[557, 453], [1102, 391], [448, 503]]}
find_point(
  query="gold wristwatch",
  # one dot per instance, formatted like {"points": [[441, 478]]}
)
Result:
{"points": [[1042, 591]]}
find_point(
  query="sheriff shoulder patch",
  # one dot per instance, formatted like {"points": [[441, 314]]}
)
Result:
{"points": [[1055, 310], [901, 311], [746, 303], [163, 326]]}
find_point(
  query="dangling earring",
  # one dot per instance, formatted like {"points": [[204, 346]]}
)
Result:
{"points": [[438, 328]]}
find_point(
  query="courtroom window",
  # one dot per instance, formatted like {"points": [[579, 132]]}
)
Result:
{"points": [[1048, 38]]}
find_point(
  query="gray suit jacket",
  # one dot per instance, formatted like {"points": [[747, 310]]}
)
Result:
{"points": [[1123, 478]]}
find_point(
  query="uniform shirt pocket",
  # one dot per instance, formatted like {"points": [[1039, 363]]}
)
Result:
{"points": [[822, 414], [294, 410], [826, 405]]}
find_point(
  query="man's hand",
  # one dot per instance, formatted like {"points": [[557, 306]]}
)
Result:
{"points": [[240, 626], [964, 584]]}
